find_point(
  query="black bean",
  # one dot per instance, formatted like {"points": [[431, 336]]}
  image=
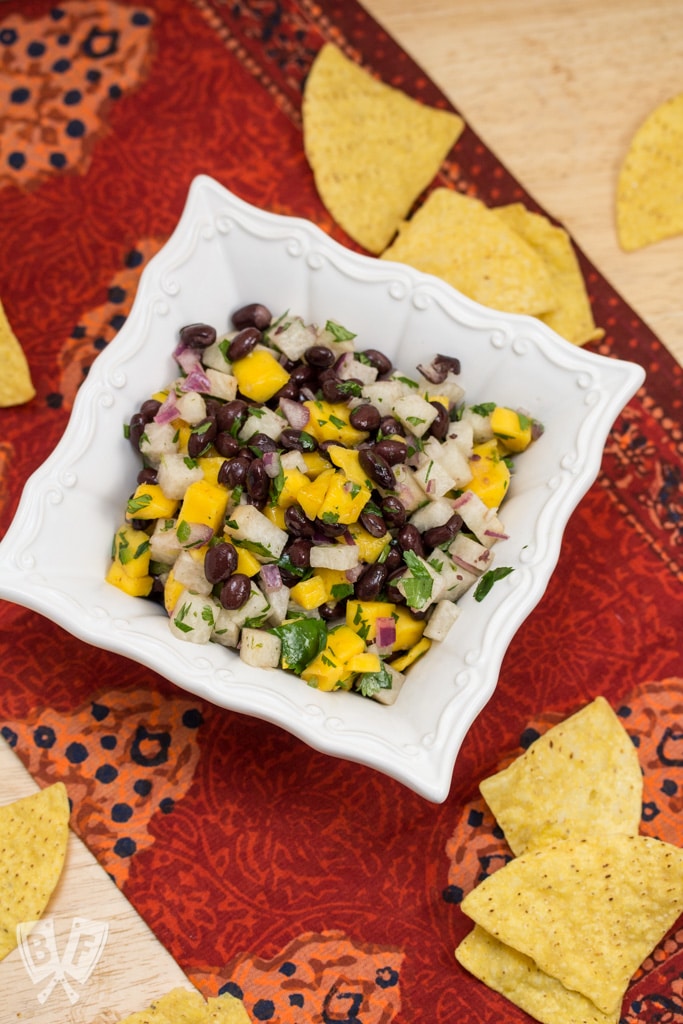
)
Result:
{"points": [[438, 535], [258, 481], [148, 475], [302, 375], [319, 356], [333, 389], [394, 558], [220, 561], [226, 445], [439, 427], [377, 468], [446, 365], [393, 511], [231, 413], [263, 442], [299, 440], [201, 438], [332, 610], [235, 591], [299, 552], [373, 523], [390, 425], [233, 473], [297, 522], [369, 584], [378, 359], [391, 591], [365, 417], [329, 529], [393, 452], [136, 429], [410, 539], [288, 390], [244, 342], [255, 314], [198, 335], [149, 409]]}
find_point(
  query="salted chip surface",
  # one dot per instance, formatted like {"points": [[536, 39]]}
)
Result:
{"points": [[34, 832], [372, 148], [581, 777], [572, 317], [649, 198], [16, 386], [459, 239], [517, 977], [186, 1006], [587, 912]]}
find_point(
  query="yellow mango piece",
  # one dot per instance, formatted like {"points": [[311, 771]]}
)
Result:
{"points": [[159, 396], [332, 578], [135, 586], [511, 428], [329, 421], [361, 617], [210, 466], [150, 502], [315, 464], [259, 375], [408, 629], [172, 591], [276, 514], [310, 593], [348, 459], [131, 550], [490, 474], [344, 643], [344, 500], [204, 503], [369, 547], [294, 481], [361, 663], [183, 432], [411, 656], [247, 562], [324, 672], [312, 495]]}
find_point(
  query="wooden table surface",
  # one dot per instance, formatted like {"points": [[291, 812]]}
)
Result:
{"points": [[556, 90]]}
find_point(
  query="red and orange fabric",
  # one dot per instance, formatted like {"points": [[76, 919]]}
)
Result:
{"points": [[317, 890]]}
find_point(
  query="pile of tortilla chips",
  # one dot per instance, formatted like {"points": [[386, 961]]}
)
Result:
{"points": [[562, 928], [16, 386], [650, 184], [374, 151], [183, 1006], [34, 832]]}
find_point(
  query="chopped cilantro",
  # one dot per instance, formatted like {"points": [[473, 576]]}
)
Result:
{"points": [[350, 387], [341, 590], [183, 531], [417, 584], [484, 408], [337, 422], [338, 332], [179, 620], [488, 579], [370, 683], [302, 640], [137, 504]]}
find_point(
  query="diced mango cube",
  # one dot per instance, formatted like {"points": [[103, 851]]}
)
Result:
{"points": [[344, 643], [312, 495], [172, 591], [315, 463], [310, 593], [344, 500], [276, 514], [348, 459], [204, 503], [247, 562], [150, 502], [211, 466], [329, 421], [135, 586], [324, 672], [369, 547], [294, 481], [411, 656], [366, 662], [513, 429], [408, 629], [490, 474], [131, 550], [361, 617], [259, 375], [335, 579], [183, 434]]}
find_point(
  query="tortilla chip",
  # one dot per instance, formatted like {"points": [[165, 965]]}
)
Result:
{"points": [[582, 777], [34, 832], [16, 386], [587, 912], [186, 1006], [371, 148], [572, 317], [517, 977], [459, 239], [650, 184]]}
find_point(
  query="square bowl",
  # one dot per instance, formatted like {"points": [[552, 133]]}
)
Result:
{"points": [[225, 253]]}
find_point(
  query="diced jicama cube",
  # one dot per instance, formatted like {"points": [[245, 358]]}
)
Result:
{"points": [[432, 477], [223, 385], [254, 610], [452, 458], [263, 538], [350, 368], [293, 338], [407, 489], [164, 545], [175, 474], [193, 617], [215, 357], [157, 440], [226, 631], [262, 420], [440, 621], [470, 554], [191, 407], [455, 579], [188, 569], [481, 520], [334, 556], [415, 413], [279, 605], [480, 423], [260, 648], [434, 513], [388, 695], [461, 433], [383, 394]]}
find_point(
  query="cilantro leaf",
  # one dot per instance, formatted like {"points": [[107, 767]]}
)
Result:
{"points": [[302, 640], [417, 584], [371, 683], [338, 332], [488, 579]]}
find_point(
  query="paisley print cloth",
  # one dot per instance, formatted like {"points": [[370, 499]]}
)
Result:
{"points": [[316, 890]]}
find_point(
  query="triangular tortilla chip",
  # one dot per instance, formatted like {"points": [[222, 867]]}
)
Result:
{"points": [[587, 912], [457, 238], [16, 386], [372, 148], [572, 317], [581, 777], [184, 1006], [34, 832], [517, 977], [650, 185]]}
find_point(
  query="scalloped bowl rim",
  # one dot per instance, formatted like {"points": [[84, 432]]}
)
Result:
{"points": [[219, 245]]}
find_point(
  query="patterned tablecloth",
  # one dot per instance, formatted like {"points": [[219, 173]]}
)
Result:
{"points": [[318, 890]]}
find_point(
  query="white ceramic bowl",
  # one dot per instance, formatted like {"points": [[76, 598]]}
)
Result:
{"points": [[223, 254]]}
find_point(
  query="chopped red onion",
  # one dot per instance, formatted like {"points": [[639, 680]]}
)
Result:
{"points": [[187, 358], [270, 574], [353, 574], [196, 380], [497, 534], [296, 414], [467, 566], [199, 534], [168, 410], [271, 464], [386, 633]]}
